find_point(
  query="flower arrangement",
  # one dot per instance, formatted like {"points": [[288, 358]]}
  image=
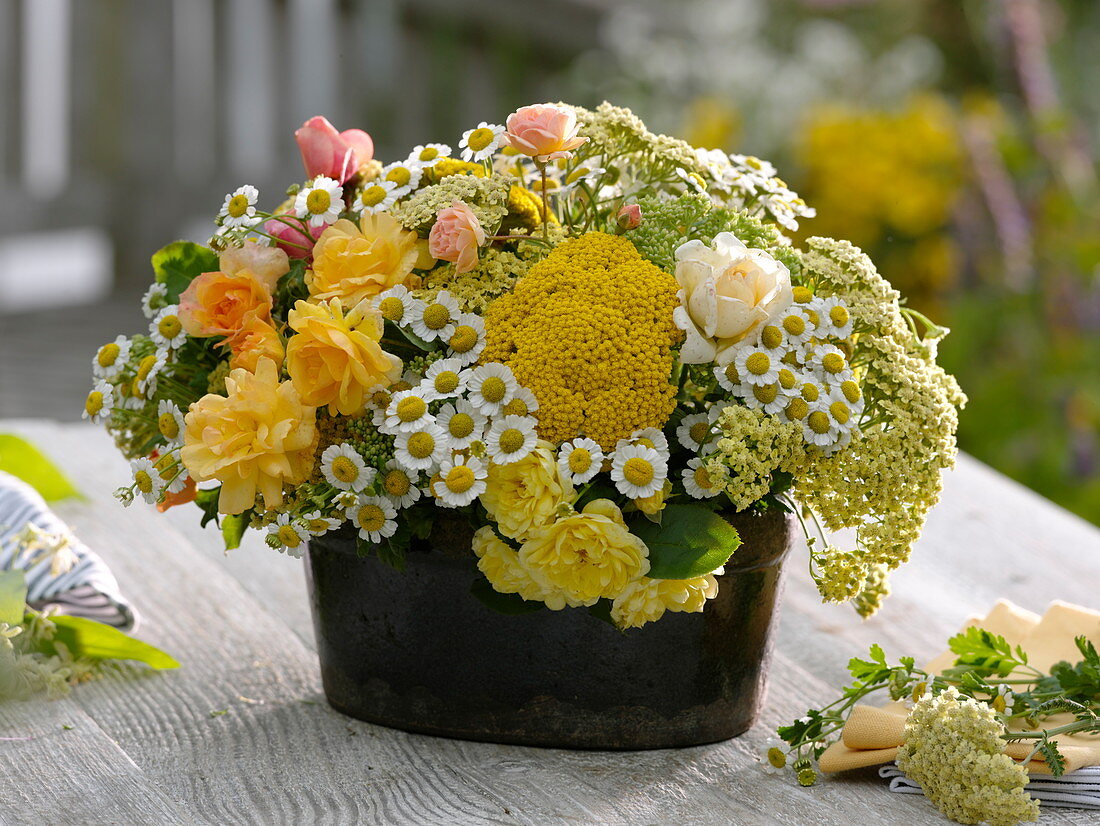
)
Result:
{"points": [[566, 349]]}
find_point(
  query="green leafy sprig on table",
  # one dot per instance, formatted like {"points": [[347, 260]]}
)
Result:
{"points": [[986, 668]]}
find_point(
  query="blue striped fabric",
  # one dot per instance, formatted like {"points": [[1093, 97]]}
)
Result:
{"points": [[88, 589]]}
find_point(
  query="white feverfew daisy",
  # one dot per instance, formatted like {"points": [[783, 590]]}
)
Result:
{"points": [[147, 480], [404, 175], [849, 392], [345, 469], [399, 485], [756, 366], [345, 500], [239, 209], [772, 338], [650, 437], [481, 142], [796, 324], [468, 338], [375, 196], [408, 411], [167, 330], [155, 299], [490, 387], [111, 357], [834, 320], [398, 305], [288, 535], [728, 377], [461, 480], [693, 180], [511, 438], [99, 403], [173, 472], [696, 430], [698, 481], [580, 460], [428, 153], [320, 201], [435, 319], [462, 422], [317, 524], [828, 363], [771, 398], [148, 371], [821, 428], [444, 379], [523, 403], [170, 422], [421, 449], [638, 471], [374, 517]]}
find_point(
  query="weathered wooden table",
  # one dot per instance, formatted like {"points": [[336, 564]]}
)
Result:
{"points": [[241, 733]]}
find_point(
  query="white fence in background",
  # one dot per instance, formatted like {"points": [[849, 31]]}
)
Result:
{"points": [[133, 117]]}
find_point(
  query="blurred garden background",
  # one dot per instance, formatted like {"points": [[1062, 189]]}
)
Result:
{"points": [[954, 140]]}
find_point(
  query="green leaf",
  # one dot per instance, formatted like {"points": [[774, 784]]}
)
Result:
{"points": [[292, 285], [96, 641], [179, 263], [391, 552], [24, 461], [503, 603], [983, 652], [233, 528], [1054, 758], [409, 336], [13, 597], [602, 611], [690, 541], [207, 500]]}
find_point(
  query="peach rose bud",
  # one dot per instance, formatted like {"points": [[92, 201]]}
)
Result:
{"points": [[337, 155], [544, 131], [456, 236], [629, 217]]}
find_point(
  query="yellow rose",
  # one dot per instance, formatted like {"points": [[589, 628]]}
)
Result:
{"points": [[727, 292], [655, 503], [586, 556], [258, 437], [355, 262], [646, 600], [500, 564], [523, 496], [335, 359]]}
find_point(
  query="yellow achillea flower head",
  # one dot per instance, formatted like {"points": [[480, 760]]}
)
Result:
{"points": [[526, 207], [589, 331]]}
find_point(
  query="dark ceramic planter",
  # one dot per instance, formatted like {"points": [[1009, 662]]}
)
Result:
{"points": [[416, 651]]}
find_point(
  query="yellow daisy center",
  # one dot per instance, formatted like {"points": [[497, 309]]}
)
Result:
{"points": [[428, 153], [107, 354], [392, 308], [645, 442], [787, 379], [516, 407], [803, 295], [839, 316], [580, 460], [464, 339], [400, 175], [797, 409], [818, 422], [493, 389], [446, 381], [238, 206], [815, 319], [833, 362], [765, 393], [289, 537], [698, 432], [318, 201], [373, 195], [318, 525], [436, 317], [381, 398], [851, 391], [758, 364], [461, 425], [638, 471], [168, 426], [459, 479], [794, 324], [771, 337], [421, 445], [145, 368], [810, 392], [371, 518], [702, 478], [775, 754], [144, 481], [396, 483], [410, 409], [731, 374], [479, 139], [345, 469], [511, 440], [169, 327], [94, 403], [135, 389], [840, 412]]}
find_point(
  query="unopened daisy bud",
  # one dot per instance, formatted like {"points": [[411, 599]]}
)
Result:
{"points": [[806, 777], [629, 217]]}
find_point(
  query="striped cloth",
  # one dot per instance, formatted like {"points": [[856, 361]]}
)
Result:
{"points": [[1073, 790], [88, 589]]}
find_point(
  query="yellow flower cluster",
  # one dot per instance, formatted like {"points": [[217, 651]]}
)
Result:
{"points": [[647, 600], [496, 272], [486, 197], [445, 167], [525, 495], [526, 207], [589, 331], [753, 445]]}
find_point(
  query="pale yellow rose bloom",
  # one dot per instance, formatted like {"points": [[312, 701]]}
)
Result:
{"points": [[585, 557], [500, 564], [646, 600], [353, 263], [524, 495], [727, 292], [258, 437], [655, 503]]}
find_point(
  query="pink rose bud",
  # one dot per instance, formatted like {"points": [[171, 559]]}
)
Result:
{"points": [[336, 155], [456, 236], [629, 217], [544, 131], [290, 237]]}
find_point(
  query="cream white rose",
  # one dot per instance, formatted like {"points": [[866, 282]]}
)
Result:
{"points": [[727, 292]]}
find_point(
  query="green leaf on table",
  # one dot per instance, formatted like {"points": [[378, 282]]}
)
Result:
{"points": [[13, 597], [179, 263], [984, 653], [503, 603], [690, 541], [96, 641], [233, 528], [24, 461]]}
